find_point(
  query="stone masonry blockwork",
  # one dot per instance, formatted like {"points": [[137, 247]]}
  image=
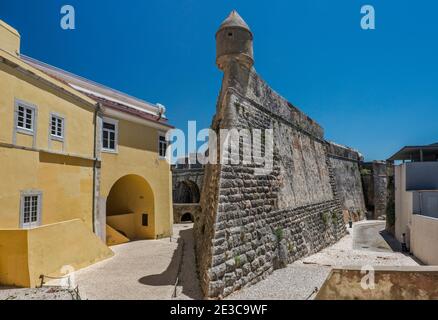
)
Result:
{"points": [[345, 163], [252, 224]]}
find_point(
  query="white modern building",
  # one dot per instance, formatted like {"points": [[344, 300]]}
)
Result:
{"points": [[416, 200]]}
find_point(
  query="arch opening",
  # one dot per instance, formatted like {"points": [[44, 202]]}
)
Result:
{"points": [[186, 192], [187, 217], [130, 208]]}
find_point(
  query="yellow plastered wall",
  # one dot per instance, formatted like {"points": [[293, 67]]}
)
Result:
{"points": [[133, 194], [138, 156], [51, 250], [124, 223], [66, 184], [79, 118], [66, 181], [14, 270], [113, 237], [55, 249], [9, 39]]}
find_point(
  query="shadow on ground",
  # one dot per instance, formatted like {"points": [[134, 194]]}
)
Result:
{"points": [[181, 266], [397, 247], [168, 277]]}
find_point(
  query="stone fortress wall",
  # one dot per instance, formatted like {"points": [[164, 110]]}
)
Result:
{"points": [[345, 161], [252, 224], [379, 189], [346, 166]]}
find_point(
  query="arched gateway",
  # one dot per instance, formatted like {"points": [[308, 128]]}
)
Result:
{"points": [[130, 209]]}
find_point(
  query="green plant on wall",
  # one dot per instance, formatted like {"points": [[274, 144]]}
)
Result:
{"points": [[334, 217], [238, 261], [325, 218], [279, 234]]}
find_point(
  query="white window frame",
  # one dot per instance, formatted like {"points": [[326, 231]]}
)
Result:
{"points": [[33, 108], [24, 195], [116, 134], [58, 117], [162, 134]]}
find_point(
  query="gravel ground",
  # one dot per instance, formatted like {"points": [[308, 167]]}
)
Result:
{"points": [[296, 282], [299, 279], [46, 293]]}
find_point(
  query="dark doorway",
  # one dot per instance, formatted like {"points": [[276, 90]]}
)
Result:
{"points": [[187, 217], [186, 192]]}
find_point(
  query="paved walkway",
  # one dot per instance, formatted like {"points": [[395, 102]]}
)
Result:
{"points": [[364, 246], [148, 269], [139, 270], [367, 236], [143, 270]]}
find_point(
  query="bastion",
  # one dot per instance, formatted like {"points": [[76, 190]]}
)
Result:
{"points": [[253, 223]]}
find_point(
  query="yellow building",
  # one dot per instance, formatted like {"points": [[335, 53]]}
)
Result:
{"points": [[79, 163]]}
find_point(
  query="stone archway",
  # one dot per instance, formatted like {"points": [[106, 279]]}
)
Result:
{"points": [[187, 217], [186, 191], [185, 212], [130, 208]]}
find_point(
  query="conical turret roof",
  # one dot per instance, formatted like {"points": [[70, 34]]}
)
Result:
{"points": [[234, 20]]}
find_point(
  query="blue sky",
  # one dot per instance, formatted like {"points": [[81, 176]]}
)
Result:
{"points": [[372, 90]]}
